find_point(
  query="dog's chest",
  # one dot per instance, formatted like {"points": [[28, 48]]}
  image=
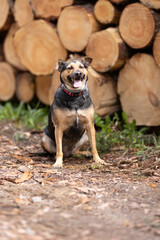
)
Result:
{"points": [[73, 126], [75, 119]]}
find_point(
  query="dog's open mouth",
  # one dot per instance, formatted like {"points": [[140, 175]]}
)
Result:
{"points": [[77, 84], [76, 81]]}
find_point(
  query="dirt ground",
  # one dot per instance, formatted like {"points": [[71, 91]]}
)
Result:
{"points": [[118, 202]]}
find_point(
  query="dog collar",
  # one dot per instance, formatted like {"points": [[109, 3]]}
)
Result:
{"points": [[70, 93]]}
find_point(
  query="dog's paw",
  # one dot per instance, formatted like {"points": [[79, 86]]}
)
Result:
{"points": [[58, 164], [100, 161]]}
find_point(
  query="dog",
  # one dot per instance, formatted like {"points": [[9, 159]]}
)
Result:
{"points": [[71, 115]]}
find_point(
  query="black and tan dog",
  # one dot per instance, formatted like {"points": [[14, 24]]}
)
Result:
{"points": [[71, 116]]}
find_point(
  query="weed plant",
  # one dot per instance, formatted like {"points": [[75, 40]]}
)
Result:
{"points": [[114, 132], [31, 117]]}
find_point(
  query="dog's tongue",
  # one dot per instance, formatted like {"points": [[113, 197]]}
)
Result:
{"points": [[77, 84]]}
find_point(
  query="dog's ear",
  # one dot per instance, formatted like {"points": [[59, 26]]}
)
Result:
{"points": [[86, 61], [60, 65]]}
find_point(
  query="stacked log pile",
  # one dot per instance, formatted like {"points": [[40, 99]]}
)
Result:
{"points": [[121, 36]]}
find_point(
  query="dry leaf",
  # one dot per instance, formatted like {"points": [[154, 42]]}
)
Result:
{"points": [[51, 179], [22, 201], [152, 185], [44, 165], [85, 207], [127, 223], [1, 182], [25, 176], [84, 200], [19, 157]]}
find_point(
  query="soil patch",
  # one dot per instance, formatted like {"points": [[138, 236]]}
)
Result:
{"points": [[81, 201]]}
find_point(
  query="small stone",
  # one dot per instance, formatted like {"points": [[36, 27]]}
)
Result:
{"points": [[23, 169], [37, 199]]}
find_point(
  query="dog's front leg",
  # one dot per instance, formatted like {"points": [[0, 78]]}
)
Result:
{"points": [[59, 153], [92, 138]]}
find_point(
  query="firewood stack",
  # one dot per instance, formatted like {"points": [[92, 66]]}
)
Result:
{"points": [[121, 36]]}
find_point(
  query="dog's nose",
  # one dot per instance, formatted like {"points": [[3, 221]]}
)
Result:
{"points": [[78, 74]]}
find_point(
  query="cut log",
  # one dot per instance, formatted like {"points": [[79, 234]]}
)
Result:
{"points": [[8, 23], [38, 47], [9, 49], [106, 13], [103, 93], [138, 25], [55, 83], [22, 12], [102, 90], [25, 87], [75, 24], [107, 49], [49, 9], [156, 48], [65, 3], [43, 84], [7, 82], [155, 4], [4, 12], [1, 53], [138, 87]]}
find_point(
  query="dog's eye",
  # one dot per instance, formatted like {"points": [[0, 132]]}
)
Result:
{"points": [[70, 68]]}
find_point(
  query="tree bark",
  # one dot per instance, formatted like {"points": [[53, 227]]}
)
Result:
{"points": [[7, 82], [107, 50], [75, 24], [138, 25], [49, 9], [25, 87], [22, 12], [155, 4], [38, 47], [43, 84], [138, 87], [106, 13], [9, 49]]}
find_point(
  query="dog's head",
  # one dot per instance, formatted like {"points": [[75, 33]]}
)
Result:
{"points": [[74, 73]]}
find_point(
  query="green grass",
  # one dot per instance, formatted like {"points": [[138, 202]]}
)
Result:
{"points": [[31, 117]]}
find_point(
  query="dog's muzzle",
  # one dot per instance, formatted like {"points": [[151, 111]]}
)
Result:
{"points": [[76, 79], [76, 76]]}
